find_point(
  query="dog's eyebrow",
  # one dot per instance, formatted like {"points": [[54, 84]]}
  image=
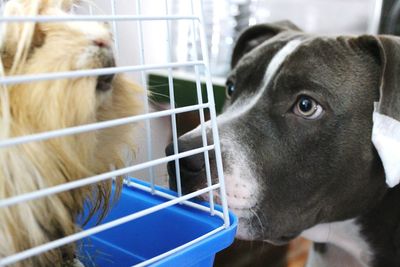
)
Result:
{"points": [[278, 60], [236, 109]]}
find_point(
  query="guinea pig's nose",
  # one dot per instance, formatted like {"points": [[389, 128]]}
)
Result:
{"points": [[102, 42]]}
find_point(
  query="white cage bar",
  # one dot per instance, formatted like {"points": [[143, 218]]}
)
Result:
{"points": [[146, 101], [196, 23]]}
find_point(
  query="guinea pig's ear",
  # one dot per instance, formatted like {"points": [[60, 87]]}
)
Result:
{"points": [[18, 38], [256, 35], [67, 5], [386, 116]]}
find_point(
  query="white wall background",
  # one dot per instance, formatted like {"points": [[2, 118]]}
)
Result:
{"points": [[318, 16]]}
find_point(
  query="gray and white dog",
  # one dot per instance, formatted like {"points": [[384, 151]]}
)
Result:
{"points": [[310, 140]]}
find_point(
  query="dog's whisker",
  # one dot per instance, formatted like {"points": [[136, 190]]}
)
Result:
{"points": [[252, 211], [159, 94]]}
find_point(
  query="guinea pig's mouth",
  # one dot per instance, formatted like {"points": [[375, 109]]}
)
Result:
{"points": [[104, 82]]}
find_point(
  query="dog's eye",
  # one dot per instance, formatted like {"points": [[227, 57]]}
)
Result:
{"points": [[307, 108], [230, 88]]}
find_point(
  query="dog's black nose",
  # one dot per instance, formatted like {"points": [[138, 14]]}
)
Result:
{"points": [[190, 167], [191, 164]]}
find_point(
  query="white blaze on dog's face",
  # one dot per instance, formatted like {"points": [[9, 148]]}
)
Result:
{"points": [[242, 188]]}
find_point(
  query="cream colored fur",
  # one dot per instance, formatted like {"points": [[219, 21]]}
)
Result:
{"points": [[30, 48]]}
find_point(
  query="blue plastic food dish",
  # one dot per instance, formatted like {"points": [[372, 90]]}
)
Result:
{"points": [[144, 238]]}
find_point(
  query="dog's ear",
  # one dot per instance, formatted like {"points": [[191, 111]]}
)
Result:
{"points": [[386, 115], [256, 35]]}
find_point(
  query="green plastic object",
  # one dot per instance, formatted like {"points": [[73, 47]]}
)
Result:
{"points": [[184, 89]]}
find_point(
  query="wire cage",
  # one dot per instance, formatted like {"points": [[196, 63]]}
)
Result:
{"points": [[143, 43]]}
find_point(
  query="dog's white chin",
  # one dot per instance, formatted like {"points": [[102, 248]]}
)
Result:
{"points": [[244, 231]]}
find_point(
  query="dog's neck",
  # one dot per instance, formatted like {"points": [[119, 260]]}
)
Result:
{"points": [[372, 239]]}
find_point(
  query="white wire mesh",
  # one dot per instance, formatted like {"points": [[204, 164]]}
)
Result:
{"points": [[139, 68]]}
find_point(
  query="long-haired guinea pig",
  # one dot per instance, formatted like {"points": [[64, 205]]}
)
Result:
{"points": [[35, 107]]}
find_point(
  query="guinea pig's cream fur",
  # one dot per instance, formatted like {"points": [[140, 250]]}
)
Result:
{"points": [[35, 107]]}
